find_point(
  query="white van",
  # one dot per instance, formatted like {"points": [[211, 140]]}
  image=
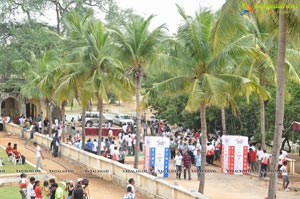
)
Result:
{"points": [[92, 119]]}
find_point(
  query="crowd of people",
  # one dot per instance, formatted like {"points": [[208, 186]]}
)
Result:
{"points": [[258, 161], [36, 189], [185, 147]]}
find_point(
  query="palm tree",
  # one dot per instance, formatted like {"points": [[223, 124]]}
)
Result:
{"points": [[42, 74], [90, 52], [138, 48], [264, 31], [201, 70], [287, 18]]}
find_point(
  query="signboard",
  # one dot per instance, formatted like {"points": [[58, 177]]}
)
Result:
{"points": [[296, 126], [234, 154], [157, 153]]}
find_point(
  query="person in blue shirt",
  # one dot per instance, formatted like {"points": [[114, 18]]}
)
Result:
{"points": [[89, 145], [198, 163]]}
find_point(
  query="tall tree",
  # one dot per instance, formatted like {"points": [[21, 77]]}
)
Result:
{"points": [[199, 70], [138, 48], [287, 18], [263, 27], [89, 49]]}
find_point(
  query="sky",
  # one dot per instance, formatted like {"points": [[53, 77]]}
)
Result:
{"points": [[166, 10]]}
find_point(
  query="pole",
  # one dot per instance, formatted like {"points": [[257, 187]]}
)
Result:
{"points": [[293, 164]]}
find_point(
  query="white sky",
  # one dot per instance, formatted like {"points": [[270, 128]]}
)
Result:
{"points": [[166, 10]]}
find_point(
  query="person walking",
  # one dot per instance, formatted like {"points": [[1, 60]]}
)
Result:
{"points": [[264, 164], [285, 178], [129, 194], [186, 165], [131, 182], [39, 155], [178, 163], [198, 163]]}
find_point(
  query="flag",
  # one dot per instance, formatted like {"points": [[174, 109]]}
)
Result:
{"points": [[296, 126]]}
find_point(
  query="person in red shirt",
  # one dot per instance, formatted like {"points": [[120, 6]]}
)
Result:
{"points": [[37, 189], [16, 152], [9, 150], [252, 156]]}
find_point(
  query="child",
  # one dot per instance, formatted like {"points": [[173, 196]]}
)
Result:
{"points": [[285, 178], [23, 185]]}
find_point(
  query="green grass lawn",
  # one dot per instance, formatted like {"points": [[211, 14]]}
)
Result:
{"points": [[12, 192], [9, 167]]}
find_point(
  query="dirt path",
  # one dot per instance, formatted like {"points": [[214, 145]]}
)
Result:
{"points": [[99, 189]]}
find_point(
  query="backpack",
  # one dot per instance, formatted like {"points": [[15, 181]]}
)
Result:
{"points": [[265, 160]]}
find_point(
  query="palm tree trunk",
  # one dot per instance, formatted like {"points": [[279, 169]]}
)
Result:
{"points": [[138, 120], [57, 18], [279, 114], [223, 121], [63, 105], [262, 123], [50, 117], [203, 146], [83, 128], [100, 109]]}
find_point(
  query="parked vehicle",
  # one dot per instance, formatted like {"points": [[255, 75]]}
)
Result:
{"points": [[109, 117], [92, 118], [121, 119], [153, 118]]}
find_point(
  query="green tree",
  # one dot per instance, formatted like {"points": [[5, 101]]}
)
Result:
{"points": [[89, 50], [202, 77], [287, 18], [138, 48]]}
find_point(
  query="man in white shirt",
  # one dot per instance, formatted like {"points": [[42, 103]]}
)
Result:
{"points": [[38, 155], [111, 147], [95, 146], [102, 146], [284, 153], [124, 128], [22, 120], [115, 153], [178, 164], [129, 145], [259, 156], [264, 164], [131, 184], [30, 190]]}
